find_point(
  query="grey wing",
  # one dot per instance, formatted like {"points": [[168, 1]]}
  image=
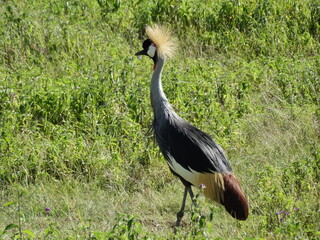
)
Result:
{"points": [[191, 148]]}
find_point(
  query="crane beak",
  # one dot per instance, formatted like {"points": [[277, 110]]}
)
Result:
{"points": [[143, 52]]}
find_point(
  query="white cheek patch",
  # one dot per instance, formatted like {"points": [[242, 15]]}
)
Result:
{"points": [[151, 51]]}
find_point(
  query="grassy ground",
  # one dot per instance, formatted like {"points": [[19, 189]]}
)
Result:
{"points": [[77, 158]]}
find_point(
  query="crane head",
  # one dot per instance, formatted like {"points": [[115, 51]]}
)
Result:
{"points": [[160, 43], [149, 49]]}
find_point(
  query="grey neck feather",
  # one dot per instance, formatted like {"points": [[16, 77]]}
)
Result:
{"points": [[161, 107]]}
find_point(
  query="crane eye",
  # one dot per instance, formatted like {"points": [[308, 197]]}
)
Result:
{"points": [[151, 50]]}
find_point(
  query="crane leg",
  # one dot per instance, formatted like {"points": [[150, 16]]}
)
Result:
{"points": [[181, 212], [191, 195]]}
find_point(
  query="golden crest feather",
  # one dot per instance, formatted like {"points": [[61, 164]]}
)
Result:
{"points": [[162, 38]]}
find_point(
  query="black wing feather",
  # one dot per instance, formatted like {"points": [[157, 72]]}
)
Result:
{"points": [[190, 147]]}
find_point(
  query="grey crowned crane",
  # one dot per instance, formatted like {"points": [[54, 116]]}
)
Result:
{"points": [[191, 154]]}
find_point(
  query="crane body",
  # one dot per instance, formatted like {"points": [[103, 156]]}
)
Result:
{"points": [[191, 154]]}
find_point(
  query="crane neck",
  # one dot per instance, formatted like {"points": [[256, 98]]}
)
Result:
{"points": [[159, 101]]}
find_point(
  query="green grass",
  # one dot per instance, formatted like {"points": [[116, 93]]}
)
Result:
{"points": [[75, 117]]}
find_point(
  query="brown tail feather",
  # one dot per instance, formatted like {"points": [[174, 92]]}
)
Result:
{"points": [[213, 183], [225, 189], [234, 200]]}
